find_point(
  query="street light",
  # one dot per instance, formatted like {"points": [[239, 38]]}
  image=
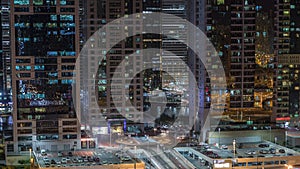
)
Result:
{"points": [[110, 130], [233, 143], [219, 137], [270, 133]]}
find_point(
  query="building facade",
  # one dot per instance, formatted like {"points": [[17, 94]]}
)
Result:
{"points": [[44, 48], [286, 47]]}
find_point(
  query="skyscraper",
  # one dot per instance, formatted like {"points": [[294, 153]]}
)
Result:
{"points": [[44, 48], [233, 29], [99, 13], [106, 115], [287, 55], [6, 122]]}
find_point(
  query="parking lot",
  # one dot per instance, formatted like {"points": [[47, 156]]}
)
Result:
{"points": [[251, 150], [83, 158], [247, 155]]}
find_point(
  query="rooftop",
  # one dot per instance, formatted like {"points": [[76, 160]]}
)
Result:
{"points": [[98, 158], [247, 154]]}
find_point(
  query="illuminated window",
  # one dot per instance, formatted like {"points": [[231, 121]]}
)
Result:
{"points": [[220, 2], [66, 17], [63, 2], [21, 2], [286, 12], [53, 17], [37, 2], [208, 28]]}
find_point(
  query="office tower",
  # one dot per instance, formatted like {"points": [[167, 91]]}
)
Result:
{"points": [[286, 100], [242, 64], [234, 27], [103, 116], [44, 48], [178, 77], [6, 119], [198, 113]]}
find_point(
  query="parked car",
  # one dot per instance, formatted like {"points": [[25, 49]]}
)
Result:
{"points": [[251, 152], [43, 152], [272, 150], [64, 161], [224, 147], [263, 145], [53, 161], [281, 151], [60, 154], [264, 151]]}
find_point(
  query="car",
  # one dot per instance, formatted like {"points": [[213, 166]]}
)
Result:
{"points": [[264, 151], [74, 160], [79, 160], [96, 159], [70, 154], [251, 152], [281, 151], [60, 154], [263, 145], [272, 150], [125, 158], [43, 152], [64, 161], [53, 161], [224, 147]]}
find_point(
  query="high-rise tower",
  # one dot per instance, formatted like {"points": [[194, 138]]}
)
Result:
{"points": [[44, 48]]}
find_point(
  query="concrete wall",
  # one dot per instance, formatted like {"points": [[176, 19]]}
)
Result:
{"points": [[248, 136], [229, 140]]}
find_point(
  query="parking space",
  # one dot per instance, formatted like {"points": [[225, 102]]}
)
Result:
{"points": [[83, 158]]}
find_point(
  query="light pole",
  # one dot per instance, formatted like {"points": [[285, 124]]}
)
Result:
{"points": [[219, 137], [286, 138], [233, 161], [270, 133], [110, 137]]}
